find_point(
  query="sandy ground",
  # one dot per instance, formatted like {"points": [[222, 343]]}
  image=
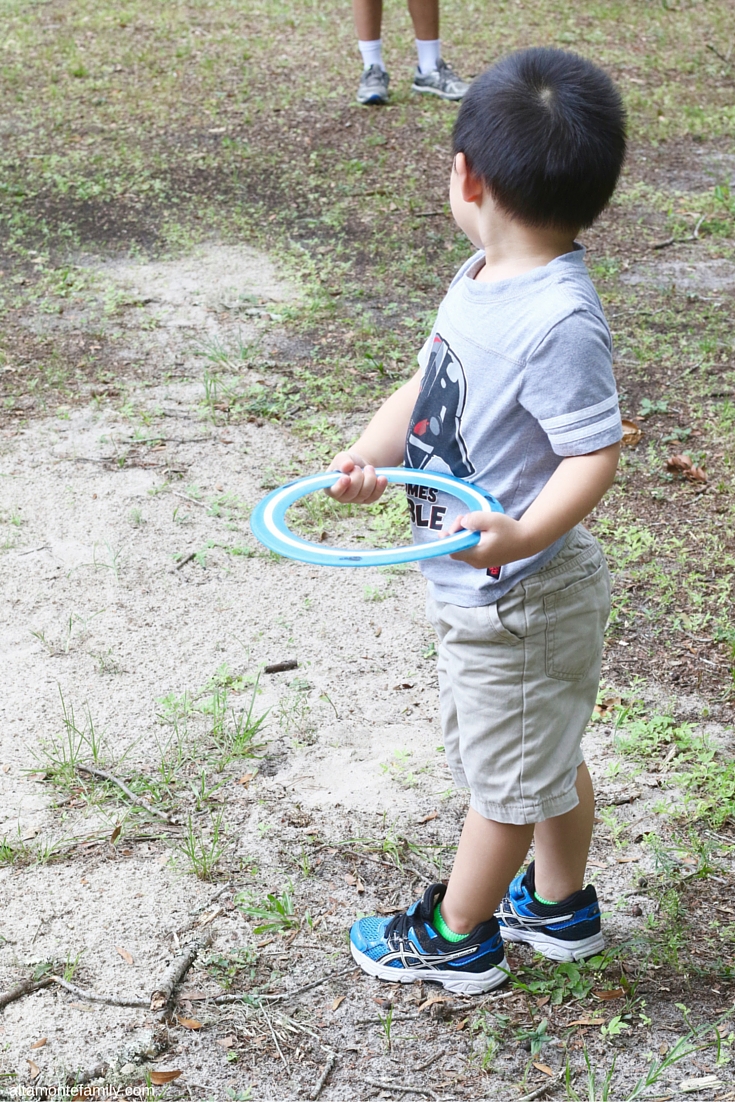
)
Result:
{"points": [[97, 619]]}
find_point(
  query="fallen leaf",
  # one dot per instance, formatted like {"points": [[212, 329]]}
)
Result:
{"points": [[460, 1025], [338, 1001], [588, 1021], [679, 463], [39, 1044], [632, 434], [543, 1000], [116, 833], [194, 996], [696, 474], [404, 685], [226, 1042], [607, 706], [350, 879], [245, 779], [34, 1068], [158, 1078], [433, 1001], [616, 993], [626, 860], [126, 956], [189, 1023], [597, 864], [706, 1081], [544, 1068], [209, 916], [429, 817]]}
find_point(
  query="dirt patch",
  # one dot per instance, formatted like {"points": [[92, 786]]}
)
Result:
{"points": [[686, 277]]}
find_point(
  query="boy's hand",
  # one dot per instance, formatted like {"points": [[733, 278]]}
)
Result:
{"points": [[359, 483], [502, 541]]}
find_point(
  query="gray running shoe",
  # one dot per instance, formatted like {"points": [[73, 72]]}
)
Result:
{"points": [[443, 81], [373, 86]]}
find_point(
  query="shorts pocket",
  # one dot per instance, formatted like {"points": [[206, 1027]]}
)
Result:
{"points": [[575, 625], [500, 633]]}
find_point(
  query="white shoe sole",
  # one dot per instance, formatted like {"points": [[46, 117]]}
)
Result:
{"points": [[435, 92], [554, 949], [467, 983]]}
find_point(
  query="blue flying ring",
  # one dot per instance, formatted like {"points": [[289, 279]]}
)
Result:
{"points": [[268, 521]]}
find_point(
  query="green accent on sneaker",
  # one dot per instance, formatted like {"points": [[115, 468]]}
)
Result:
{"points": [[540, 899], [443, 929]]}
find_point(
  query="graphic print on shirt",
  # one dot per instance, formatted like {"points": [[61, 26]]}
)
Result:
{"points": [[435, 429]]}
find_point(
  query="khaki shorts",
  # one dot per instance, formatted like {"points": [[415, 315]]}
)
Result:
{"points": [[518, 682]]}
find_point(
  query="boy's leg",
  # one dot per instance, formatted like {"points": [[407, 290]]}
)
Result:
{"points": [[488, 857], [562, 845], [490, 853]]}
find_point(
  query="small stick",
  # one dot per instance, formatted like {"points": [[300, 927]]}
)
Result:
{"points": [[717, 53], [90, 996], [275, 1041], [429, 1062], [26, 988], [174, 974], [191, 500], [402, 1087], [281, 667], [103, 775], [539, 1090], [185, 560], [323, 1077]]}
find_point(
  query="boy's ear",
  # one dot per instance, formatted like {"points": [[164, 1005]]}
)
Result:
{"points": [[471, 185]]}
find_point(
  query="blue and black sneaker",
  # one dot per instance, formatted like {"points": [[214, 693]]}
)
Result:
{"points": [[569, 930], [407, 947]]}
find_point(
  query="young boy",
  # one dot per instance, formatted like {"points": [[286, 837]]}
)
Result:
{"points": [[515, 393]]}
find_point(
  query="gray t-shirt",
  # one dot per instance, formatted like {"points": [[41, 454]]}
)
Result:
{"points": [[517, 374]]}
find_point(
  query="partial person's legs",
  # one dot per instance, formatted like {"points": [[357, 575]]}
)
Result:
{"points": [[368, 16], [490, 853], [373, 88], [425, 18], [432, 75]]}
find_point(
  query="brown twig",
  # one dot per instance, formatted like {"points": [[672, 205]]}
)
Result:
{"points": [[28, 987], [174, 974], [717, 53], [539, 1090], [681, 240], [386, 1086], [185, 560], [323, 1077], [102, 774], [281, 667], [92, 997]]}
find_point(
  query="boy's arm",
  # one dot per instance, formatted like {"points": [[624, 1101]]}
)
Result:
{"points": [[575, 487], [382, 444]]}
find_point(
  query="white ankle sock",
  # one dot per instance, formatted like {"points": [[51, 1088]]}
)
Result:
{"points": [[372, 53], [429, 51]]}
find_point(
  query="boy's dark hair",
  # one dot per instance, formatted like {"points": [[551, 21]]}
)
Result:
{"points": [[545, 132]]}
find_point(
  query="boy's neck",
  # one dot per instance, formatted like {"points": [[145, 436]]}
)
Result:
{"points": [[512, 247]]}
